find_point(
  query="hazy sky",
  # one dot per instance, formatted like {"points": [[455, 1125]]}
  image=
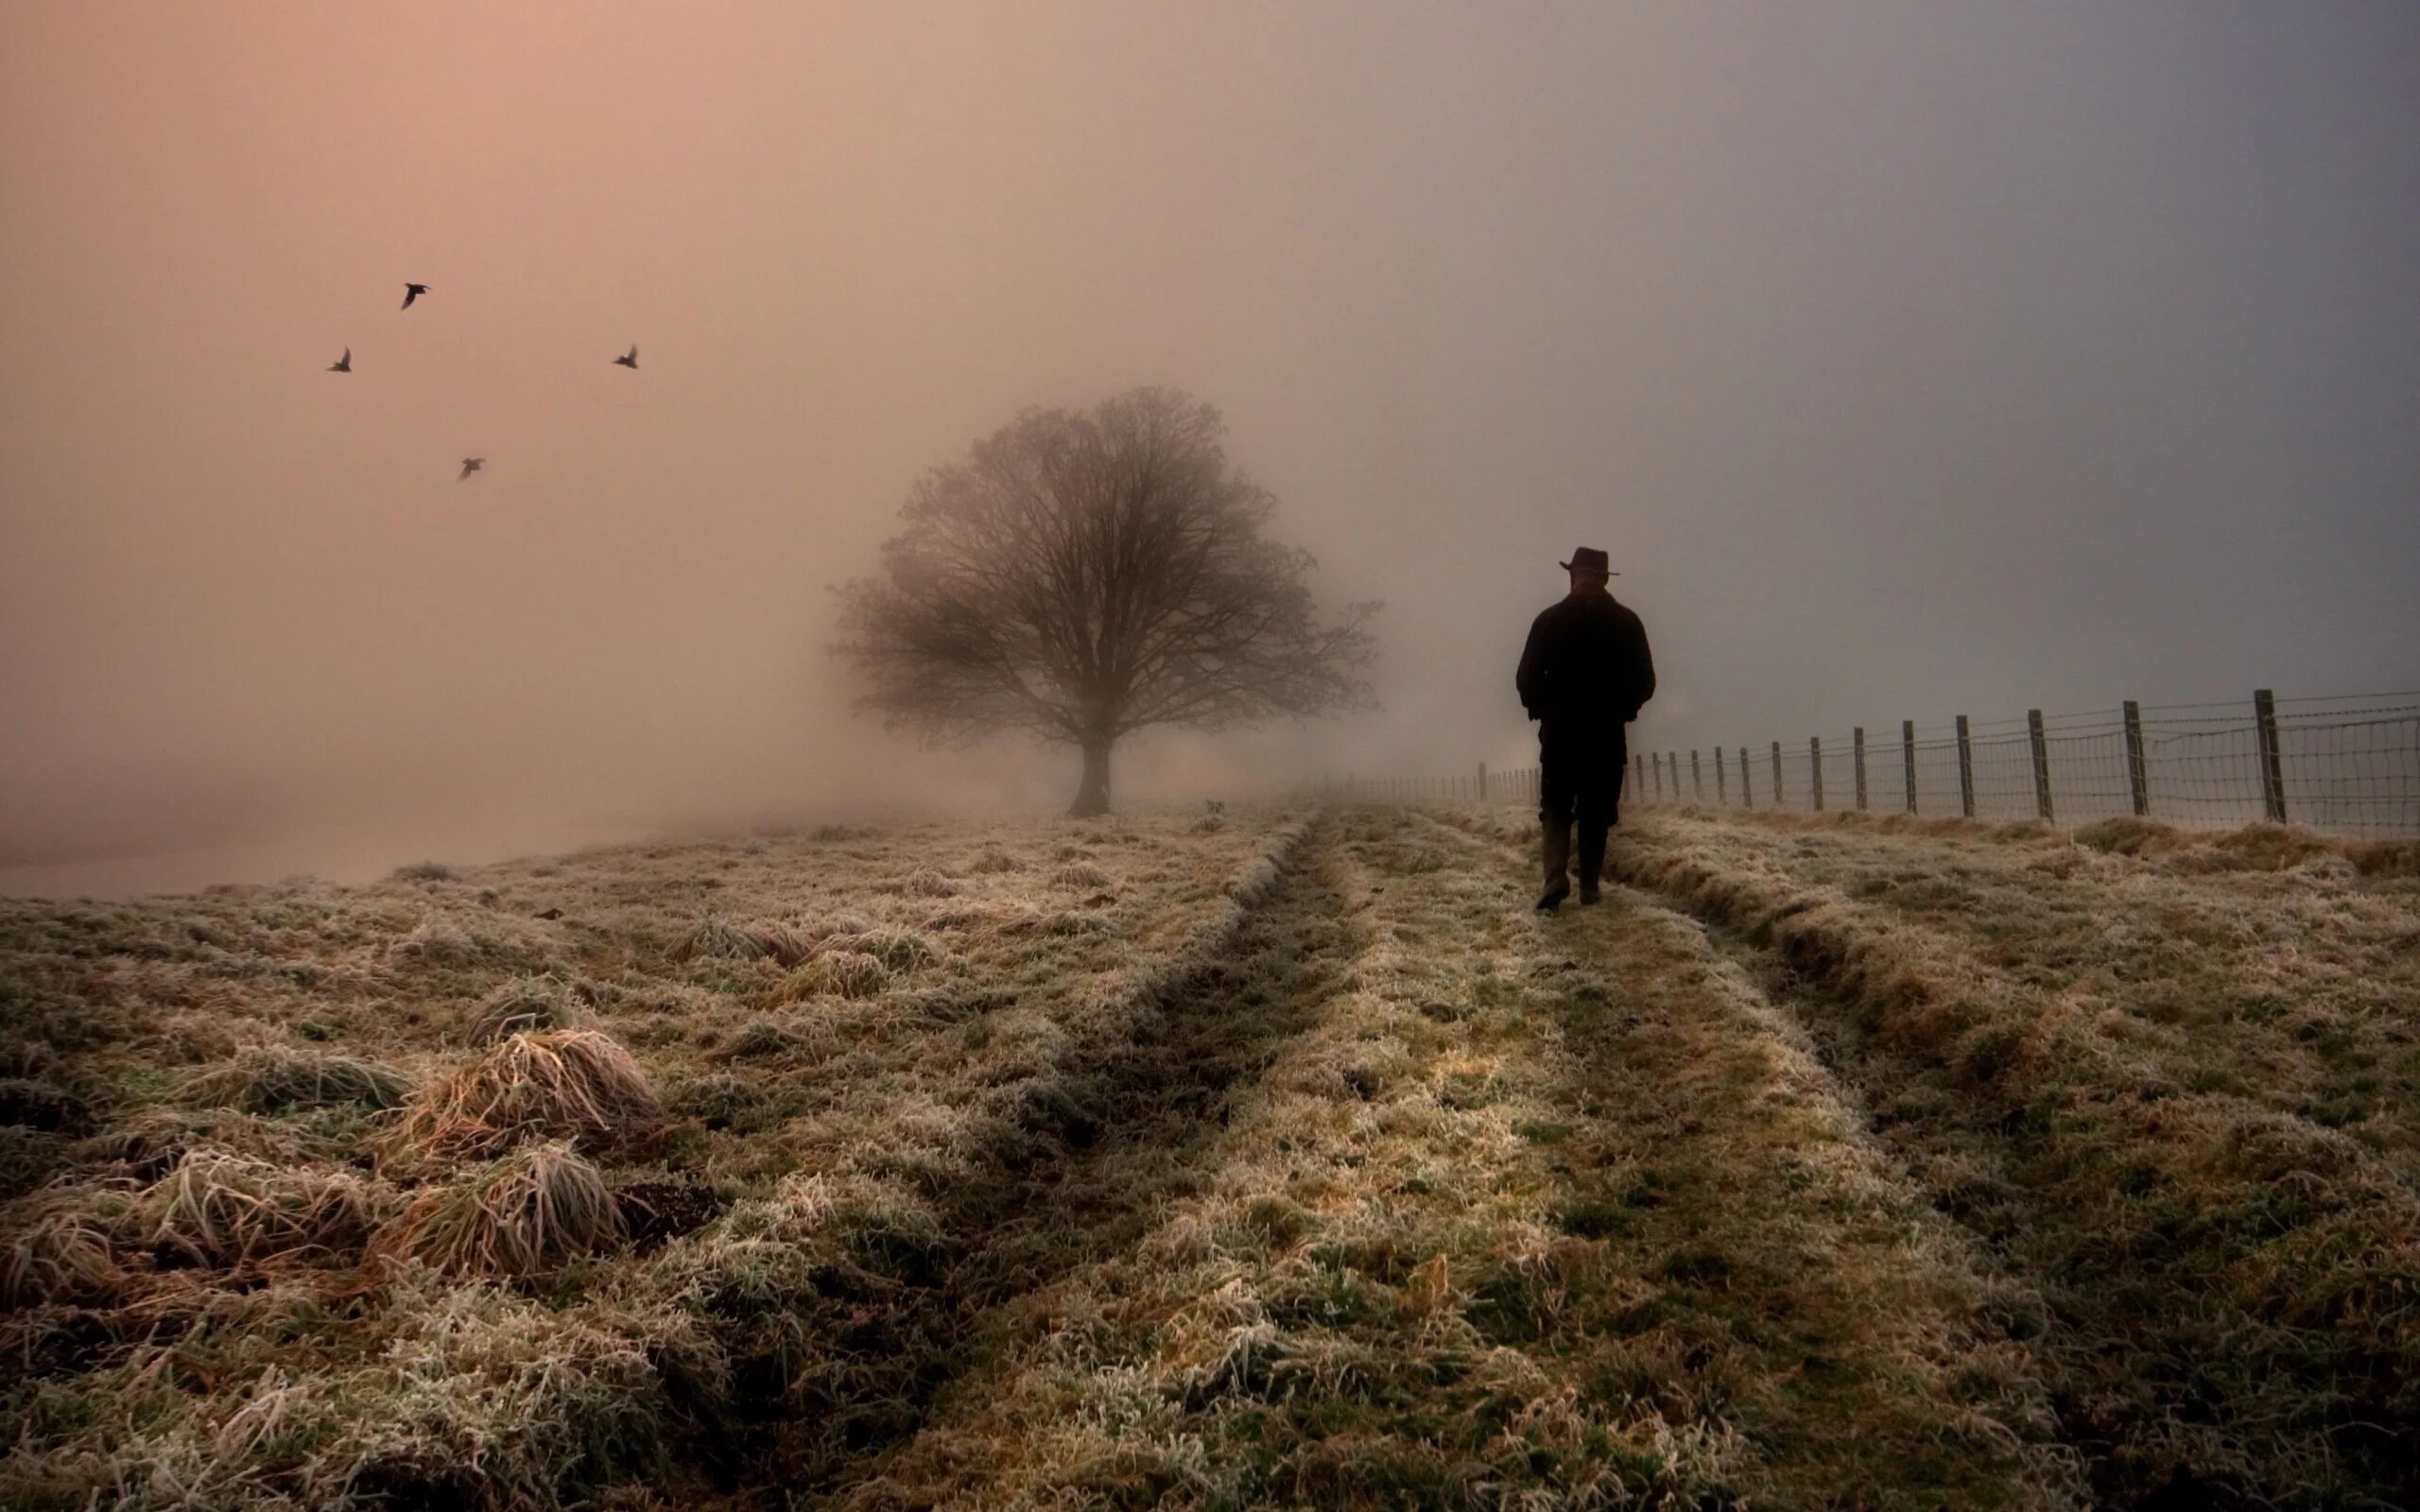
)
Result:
{"points": [[1909, 359]]}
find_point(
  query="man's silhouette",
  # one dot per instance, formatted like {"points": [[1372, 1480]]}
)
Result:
{"points": [[1583, 675]]}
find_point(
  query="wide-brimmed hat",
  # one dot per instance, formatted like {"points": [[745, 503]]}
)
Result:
{"points": [[1589, 560]]}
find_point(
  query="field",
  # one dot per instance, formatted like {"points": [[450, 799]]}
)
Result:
{"points": [[1282, 1159]]}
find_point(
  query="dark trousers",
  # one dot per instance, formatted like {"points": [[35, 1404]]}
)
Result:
{"points": [[1580, 778]]}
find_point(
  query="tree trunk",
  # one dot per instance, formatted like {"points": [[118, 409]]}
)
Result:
{"points": [[1093, 798]]}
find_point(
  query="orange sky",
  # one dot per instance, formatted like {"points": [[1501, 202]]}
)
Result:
{"points": [[1909, 359]]}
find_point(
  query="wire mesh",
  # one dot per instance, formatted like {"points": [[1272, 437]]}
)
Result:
{"points": [[2345, 765]]}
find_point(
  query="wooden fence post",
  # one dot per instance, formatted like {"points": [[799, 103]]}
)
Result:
{"points": [[2272, 761], [1721, 782], [1858, 737], [1482, 782], [1966, 770], [1778, 801], [1747, 794], [1697, 779], [1908, 753], [2041, 762], [1639, 771], [1815, 767], [2137, 773]]}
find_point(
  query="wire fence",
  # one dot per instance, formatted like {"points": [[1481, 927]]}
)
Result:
{"points": [[2341, 765]]}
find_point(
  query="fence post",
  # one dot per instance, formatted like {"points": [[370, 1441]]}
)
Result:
{"points": [[1858, 737], [1778, 801], [1747, 794], [1815, 767], [2041, 762], [1721, 782], [2137, 773], [2272, 762], [1482, 782], [1908, 753], [1697, 779], [1638, 772], [1966, 770]]}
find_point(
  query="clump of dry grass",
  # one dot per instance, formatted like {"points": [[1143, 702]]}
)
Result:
{"points": [[558, 1083], [847, 974], [276, 1079], [716, 937], [992, 859], [61, 1245], [527, 1002], [924, 883], [217, 1208], [521, 1215], [898, 950], [1081, 874]]}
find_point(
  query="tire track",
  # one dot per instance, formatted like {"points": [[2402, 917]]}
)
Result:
{"points": [[2232, 1298], [1120, 1131], [1876, 1348]]}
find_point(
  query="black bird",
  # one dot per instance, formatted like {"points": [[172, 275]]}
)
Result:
{"points": [[471, 465], [343, 364], [632, 359], [413, 291]]}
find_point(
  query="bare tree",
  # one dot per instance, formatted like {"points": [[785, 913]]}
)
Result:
{"points": [[1081, 575]]}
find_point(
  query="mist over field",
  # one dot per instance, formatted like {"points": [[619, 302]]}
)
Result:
{"points": [[1907, 359]]}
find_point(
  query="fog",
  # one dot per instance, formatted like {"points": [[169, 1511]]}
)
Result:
{"points": [[1909, 359]]}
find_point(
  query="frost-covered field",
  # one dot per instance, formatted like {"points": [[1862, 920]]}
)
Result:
{"points": [[1282, 1159]]}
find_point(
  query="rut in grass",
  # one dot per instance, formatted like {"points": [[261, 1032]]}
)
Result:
{"points": [[2097, 1170], [1405, 1278], [1078, 1168]]}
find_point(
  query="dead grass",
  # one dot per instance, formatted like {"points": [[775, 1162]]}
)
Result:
{"points": [[523, 1216], [528, 1003], [275, 1080], [61, 1248], [556, 1083], [1274, 1167], [2170, 1068], [716, 937], [219, 1208], [847, 974]]}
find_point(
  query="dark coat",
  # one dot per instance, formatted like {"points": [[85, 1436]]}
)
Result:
{"points": [[1586, 667]]}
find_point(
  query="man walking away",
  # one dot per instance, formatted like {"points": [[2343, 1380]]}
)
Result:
{"points": [[1583, 675]]}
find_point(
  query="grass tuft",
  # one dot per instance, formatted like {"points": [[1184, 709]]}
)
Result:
{"points": [[218, 1209], [523, 1216], [61, 1247], [574, 1084], [716, 937], [847, 974], [898, 950], [526, 1004], [273, 1079]]}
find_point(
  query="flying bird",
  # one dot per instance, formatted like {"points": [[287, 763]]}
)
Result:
{"points": [[630, 359], [413, 291], [471, 465], [343, 364]]}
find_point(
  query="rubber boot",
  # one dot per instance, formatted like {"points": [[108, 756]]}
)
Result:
{"points": [[1592, 863], [1558, 859]]}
